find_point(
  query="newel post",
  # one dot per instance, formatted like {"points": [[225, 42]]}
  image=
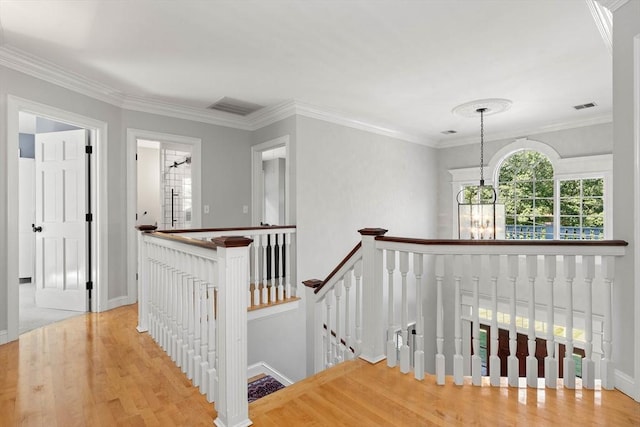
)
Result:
{"points": [[373, 338], [233, 277], [143, 284]]}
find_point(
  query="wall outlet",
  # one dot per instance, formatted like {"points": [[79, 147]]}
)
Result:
{"points": [[245, 209], [206, 209]]}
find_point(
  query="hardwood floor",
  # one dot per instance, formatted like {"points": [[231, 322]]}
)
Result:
{"points": [[97, 370]]}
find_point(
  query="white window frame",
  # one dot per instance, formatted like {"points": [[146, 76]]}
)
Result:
{"points": [[582, 167]]}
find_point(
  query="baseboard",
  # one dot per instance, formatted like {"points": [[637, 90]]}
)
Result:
{"points": [[4, 337], [626, 384], [117, 302], [263, 368]]}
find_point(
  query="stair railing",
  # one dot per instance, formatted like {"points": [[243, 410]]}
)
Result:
{"points": [[522, 286]]}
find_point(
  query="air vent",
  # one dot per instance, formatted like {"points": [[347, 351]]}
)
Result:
{"points": [[449, 132], [234, 106], [583, 106]]}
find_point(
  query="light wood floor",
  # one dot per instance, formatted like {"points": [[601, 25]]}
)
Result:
{"points": [[96, 370]]}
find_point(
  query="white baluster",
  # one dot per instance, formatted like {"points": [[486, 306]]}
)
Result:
{"points": [[513, 365], [476, 361], [606, 366], [265, 288], [287, 266], [204, 344], [347, 314], [569, 366], [550, 361], [392, 354], [191, 307], [179, 308], [440, 362], [197, 335], [273, 286], [280, 251], [532, 361], [257, 261], [494, 360], [337, 291], [185, 314], [404, 314], [211, 356], [357, 272], [588, 365], [328, 300], [458, 360]]}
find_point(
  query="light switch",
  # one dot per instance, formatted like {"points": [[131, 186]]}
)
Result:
{"points": [[245, 209]]}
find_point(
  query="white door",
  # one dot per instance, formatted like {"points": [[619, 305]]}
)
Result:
{"points": [[61, 246], [26, 211]]}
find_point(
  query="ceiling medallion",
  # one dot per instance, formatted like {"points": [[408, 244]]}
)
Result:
{"points": [[488, 106]]}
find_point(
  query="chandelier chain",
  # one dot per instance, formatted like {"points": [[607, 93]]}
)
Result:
{"points": [[481, 145]]}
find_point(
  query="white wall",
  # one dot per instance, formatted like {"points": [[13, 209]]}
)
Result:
{"points": [[274, 185], [149, 186], [349, 179], [626, 24]]}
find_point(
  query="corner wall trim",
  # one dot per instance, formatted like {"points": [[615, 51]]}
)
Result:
{"points": [[263, 368]]}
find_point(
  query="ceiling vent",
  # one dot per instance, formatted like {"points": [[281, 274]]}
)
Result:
{"points": [[234, 106], [449, 132], [583, 106]]}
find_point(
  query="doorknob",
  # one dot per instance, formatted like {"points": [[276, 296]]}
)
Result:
{"points": [[37, 229]]}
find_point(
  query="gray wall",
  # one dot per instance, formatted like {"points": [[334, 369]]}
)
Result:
{"points": [[626, 24]]}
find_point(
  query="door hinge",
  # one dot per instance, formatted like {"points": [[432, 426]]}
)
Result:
{"points": [[89, 217], [89, 285], [88, 149]]}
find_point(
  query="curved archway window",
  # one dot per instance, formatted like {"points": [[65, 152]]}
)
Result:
{"points": [[526, 188], [539, 205]]}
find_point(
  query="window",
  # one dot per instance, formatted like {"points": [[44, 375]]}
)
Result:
{"points": [[526, 187]]}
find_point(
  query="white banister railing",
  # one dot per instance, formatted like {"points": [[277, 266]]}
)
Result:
{"points": [[192, 300], [271, 268], [518, 287]]}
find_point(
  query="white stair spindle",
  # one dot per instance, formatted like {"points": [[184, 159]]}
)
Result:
{"points": [[569, 366], [328, 300], [357, 272], [265, 289], [179, 310], [404, 314], [440, 362], [513, 365], [280, 251], [347, 314], [606, 366], [337, 291], [287, 266], [197, 335], [476, 360], [257, 262], [458, 360], [494, 360], [418, 359], [211, 356], [588, 365], [192, 318], [550, 361], [532, 361], [392, 354], [273, 286]]}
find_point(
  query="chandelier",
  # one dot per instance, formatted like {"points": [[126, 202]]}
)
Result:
{"points": [[480, 217]]}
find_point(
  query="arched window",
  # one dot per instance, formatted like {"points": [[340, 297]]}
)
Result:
{"points": [[539, 205], [526, 188]]}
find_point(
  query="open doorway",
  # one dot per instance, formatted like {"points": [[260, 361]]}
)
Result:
{"points": [[52, 175], [270, 182], [165, 172], [82, 255]]}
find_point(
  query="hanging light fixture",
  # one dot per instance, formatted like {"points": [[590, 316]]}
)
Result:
{"points": [[480, 217]]}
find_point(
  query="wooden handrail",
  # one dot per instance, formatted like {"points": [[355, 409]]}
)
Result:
{"points": [[227, 229], [317, 284], [459, 242]]}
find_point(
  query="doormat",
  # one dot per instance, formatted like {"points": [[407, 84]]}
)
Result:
{"points": [[262, 387]]}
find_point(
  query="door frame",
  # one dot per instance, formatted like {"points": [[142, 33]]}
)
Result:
{"points": [[99, 229], [132, 197], [257, 178]]}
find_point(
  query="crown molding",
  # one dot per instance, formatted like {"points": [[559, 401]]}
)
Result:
{"points": [[42, 69], [612, 5], [515, 134], [311, 111], [163, 108], [604, 22]]}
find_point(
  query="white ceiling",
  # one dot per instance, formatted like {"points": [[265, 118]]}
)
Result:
{"points": [[401, 65]]}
